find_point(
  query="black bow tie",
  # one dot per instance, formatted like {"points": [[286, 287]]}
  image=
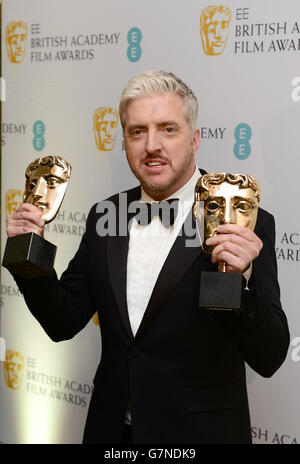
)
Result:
{"points": [[166, 210]]}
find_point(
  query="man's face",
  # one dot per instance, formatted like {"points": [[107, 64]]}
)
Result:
{"points": [[16, 44], [216, 33], [159, 145], [228, 204], [45, 188], [106, 130], [14, 372]]}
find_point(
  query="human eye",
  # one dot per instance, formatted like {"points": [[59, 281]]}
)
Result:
{"points": [[169, 129], [136, 132]]}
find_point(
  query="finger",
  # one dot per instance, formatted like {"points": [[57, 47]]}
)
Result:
{"points": [[238, 257], [23, 227], [234, 229], [248, 250], [233, 264], [30, 208], [242, 240], [23, 222], [227, 247], [32, 217]]}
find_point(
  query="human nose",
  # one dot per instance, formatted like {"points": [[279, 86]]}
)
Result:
{"points": [[153, 144]]}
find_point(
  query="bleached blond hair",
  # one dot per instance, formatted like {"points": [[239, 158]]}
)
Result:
{"points": [[160, 82]]}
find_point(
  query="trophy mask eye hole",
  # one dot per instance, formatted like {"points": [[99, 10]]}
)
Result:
{"points": [[53, 181], [31, 183], [212, 206], [244, 206]]}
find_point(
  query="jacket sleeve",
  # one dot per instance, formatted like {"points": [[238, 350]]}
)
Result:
{"points": [[63, 306], [262, 328]]}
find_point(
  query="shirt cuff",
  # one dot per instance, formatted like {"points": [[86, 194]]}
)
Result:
{"points": [[247, 275]]}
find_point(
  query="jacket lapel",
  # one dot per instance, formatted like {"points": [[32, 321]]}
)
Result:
{"points": [[171, 273], [117, 251]]}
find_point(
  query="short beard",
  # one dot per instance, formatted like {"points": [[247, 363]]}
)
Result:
{"points": [[154, 189]]}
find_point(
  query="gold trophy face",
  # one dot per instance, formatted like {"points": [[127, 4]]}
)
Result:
{"points": [[225, 199], [46, 183]]}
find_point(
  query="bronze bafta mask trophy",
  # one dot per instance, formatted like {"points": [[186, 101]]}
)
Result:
{"points": [[219, 199], [30, 255]]}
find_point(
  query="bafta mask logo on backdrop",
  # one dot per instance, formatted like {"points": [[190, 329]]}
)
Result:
{"points": [[16, 37], [214, 29], [13, 199], [105, 127], [13, 369]]}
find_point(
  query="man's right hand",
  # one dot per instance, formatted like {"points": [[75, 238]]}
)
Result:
{"points": [[27, 218]]}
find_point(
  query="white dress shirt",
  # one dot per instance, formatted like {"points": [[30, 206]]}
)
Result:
{"points": [[149, 247]]}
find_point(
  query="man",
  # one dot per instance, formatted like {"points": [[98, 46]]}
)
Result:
{"points": [[174, 372]]}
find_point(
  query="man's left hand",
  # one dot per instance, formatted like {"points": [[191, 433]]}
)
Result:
{"points": [[235, 245]]}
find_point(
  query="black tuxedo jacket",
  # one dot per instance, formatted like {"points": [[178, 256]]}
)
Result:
{"points": [[184, 371]]}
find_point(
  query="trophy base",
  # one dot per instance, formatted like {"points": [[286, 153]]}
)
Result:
{"points": [[29, 256], [220, 291]]}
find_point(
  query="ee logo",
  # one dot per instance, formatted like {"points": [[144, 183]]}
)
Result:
{"points": [[38, 132], [242, 135], [134, 38]]}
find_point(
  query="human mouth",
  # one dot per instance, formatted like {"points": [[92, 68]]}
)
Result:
{"points": [[155, 164]]}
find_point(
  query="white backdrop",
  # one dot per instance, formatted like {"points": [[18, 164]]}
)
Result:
{"points": [[63, 59]]}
